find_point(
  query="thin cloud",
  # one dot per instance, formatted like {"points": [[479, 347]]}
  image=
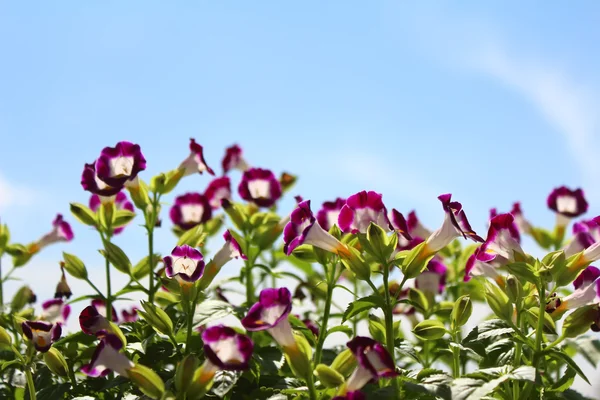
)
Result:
{"points": [[14, 195]]}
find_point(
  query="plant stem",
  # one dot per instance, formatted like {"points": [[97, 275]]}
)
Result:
{"points": [[30, 385], [455, 355], [1, 286], [539, 333], [389, 323], [108, 294], [356, 296], [249, 282], [190, 323], [323, 329], [517, 361], [151, 264], [310, 382]]}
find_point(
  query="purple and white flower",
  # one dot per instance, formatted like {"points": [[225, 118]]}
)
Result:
{"points": [[91, 322], [374, 362], [303, 228], [329, 213], [522, 223], [61, 232], [195, 162], [271, 314], [502, 241], [120, 164], [260, 187], [233, 159], [100, 306], [108, 357], [230, 250], [433, 279], [312, 326], [189, 210], [121, 203], [355, 395], [567, 204], [92, 183], [476, 267], [41, 334], [360, 210], [129, 315], [455, 225], [415, 228], [399, 224], [226, 349], [217, 190], [185, 264], [55, 311], [591, 226], [587, 291]]}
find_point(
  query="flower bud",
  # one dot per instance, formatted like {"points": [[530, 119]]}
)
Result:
{"points": [[83, 214], [139, 194], [462, 311], [514, 289], [236, 213], [74, 266], [4, 237], [185, 372], [147, 381], [344, 363], [429, 330], [444, 309], [418, 300], [378, 242], [157, 318], [353, 261], [56, 362], [416, 261], [298, 357], [579, 321], [328, 376], [23, 297], [498, 302], [201, 382], [287, 180], [5, 339]]}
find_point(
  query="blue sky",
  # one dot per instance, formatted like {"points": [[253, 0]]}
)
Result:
{"points": [[494, 102]]}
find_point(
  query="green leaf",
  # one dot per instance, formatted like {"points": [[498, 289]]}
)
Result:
{"points": [[406, 349], [83, 214], [560, 356], [340, 328], [437, 385], [122, 218], [362, 304], [143, 268], [588, 347], [565, 382], [193, 237], [524, 271], [211, 310], [491, 329]]}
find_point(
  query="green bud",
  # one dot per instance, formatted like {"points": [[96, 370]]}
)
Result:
{"points": [[236, 213], [266, 235], [532, 316], [354, 262], [328, 376], [5, 339], [4, 238], [416, 261], [165, 182], [139, 194], [122, 218], [56, 362], [23, 297], [298, 357], [18, 323], [462, 311], [514, 290], [83, 214], [378, 241], [579, 321], [74, 266], [431, 329], [144, 267], [443, 309], [418, 300], [106, 215], [185, 372], [287, 181], [344, 363], [193, 237], [498, 302], [201, 383], [147, 381], [157, 318]]}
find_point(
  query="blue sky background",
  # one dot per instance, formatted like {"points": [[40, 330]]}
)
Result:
{"points": [[494, 102]]}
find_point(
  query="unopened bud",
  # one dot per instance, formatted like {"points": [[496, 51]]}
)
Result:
{"points": [[498, 302], [462, 311], [157, 318], [514, 289], [56, 362], [185, 372], [344, 363], [74, 266], [429, 330], [147, 381], [328, 376], [5, 339]]}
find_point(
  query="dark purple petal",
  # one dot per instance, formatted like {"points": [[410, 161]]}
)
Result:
{"points": [[217, 190], [360, 210], [92, 183], [189, 210], [589, 275], [398, 223], [185, 263], [100, 306], [91, 321], [269, 298], [567, 202], [329, 213], [233, 159], [362, 346], [233, 243], [260, 187], [355, 395], [119, 164], [217, 337], [295, 231]]}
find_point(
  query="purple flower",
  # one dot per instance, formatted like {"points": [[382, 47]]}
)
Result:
{"points": [[129, 316], [502, 241], [304, 229], [189, 210], [312, 326], [476, 267], [92, 322], [415, 228], [62, 288], [230, 250], [61, 232], [398, 223], [522, 224], [329, 213], [121, 203], [195, 162], [567, 202], [591, 226], [226, 349], [92, 183], [185, 264], [55, 311], [355, 395], [374, 362], [260, 187], [100, 306], [233, 159], [41, 334], [217, 190], [433, 279], [587, 291], [455, 225], [360, 210], [119, 164], [271, 314], [108, 357]]}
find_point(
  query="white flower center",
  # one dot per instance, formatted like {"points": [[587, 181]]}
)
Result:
{"points": [[259, 189], [270, 314], [332, 217], [375, 361], [566, 204], [227, 351], [52, 313], [192, 213], [184, 265], [121, 166]]}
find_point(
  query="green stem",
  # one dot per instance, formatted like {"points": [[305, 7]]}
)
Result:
{"points": [[190, 323], [150, 264], [94, 287], [539, 334], [310, 382], [249, 282], [1, 287], [30, 385], [323, 329], [389, 323], [108, 293], [455, 356], [518, 352], [356, 296]]}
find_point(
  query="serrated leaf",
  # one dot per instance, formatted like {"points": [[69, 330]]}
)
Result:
{"points": [[560, 356], [488, 329], [211, 310], [224, 381], [362, 304], [340, 328], [588, 347], [406, 349]]}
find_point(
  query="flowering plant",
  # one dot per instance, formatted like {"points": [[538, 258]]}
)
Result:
{"points": [[278, 327]]}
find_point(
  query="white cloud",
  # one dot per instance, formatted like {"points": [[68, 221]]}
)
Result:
{"points": [[13, 194]]}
